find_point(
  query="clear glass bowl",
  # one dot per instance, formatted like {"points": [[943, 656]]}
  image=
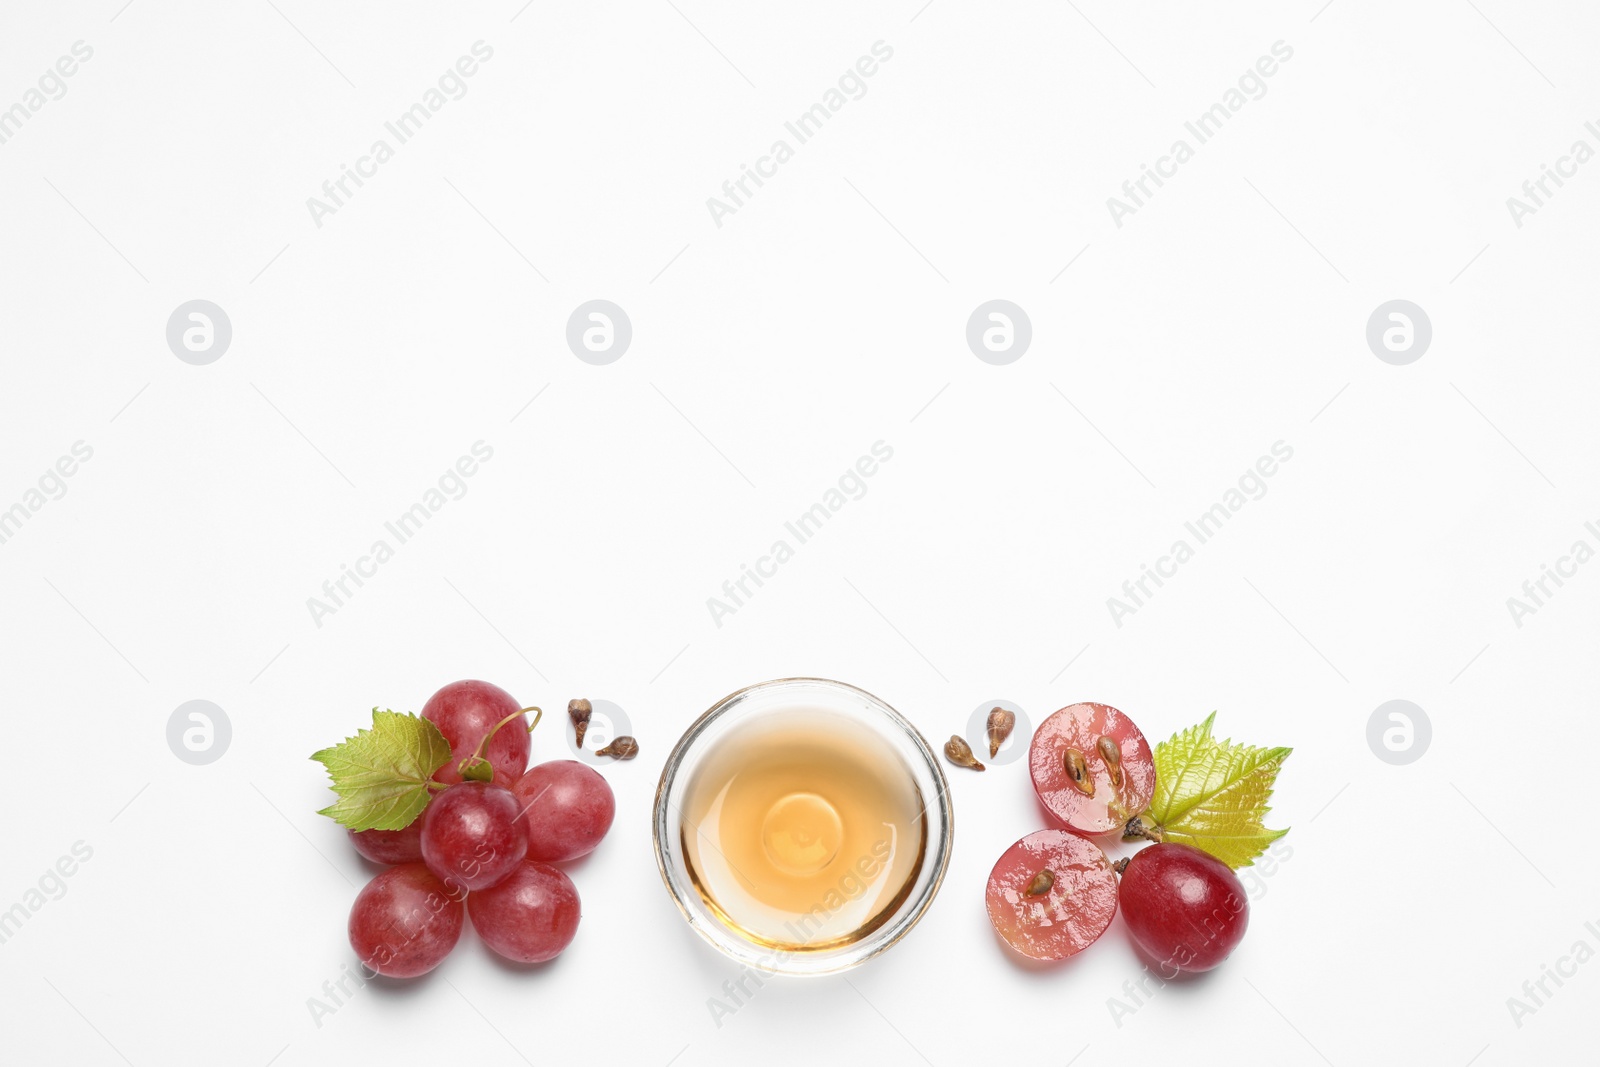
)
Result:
{"points": [[862, 709]]}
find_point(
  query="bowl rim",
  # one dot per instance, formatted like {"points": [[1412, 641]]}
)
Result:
{"points": [[916, 908]]}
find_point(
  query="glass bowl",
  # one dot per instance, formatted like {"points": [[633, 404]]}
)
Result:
{"points": [[890, 731]]}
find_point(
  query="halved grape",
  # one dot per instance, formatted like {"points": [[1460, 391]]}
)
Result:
{"points": [[1185, 908], [1092, 768], [404, 922], [567, 808], [472, 835], [465, 712], [1051, 895], [529, 917]]}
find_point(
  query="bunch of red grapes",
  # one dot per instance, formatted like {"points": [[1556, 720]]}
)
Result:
{"points": [[481, 848], [1053, 893]]}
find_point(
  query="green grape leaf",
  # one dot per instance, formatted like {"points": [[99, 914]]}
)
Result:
{"points": [[382, 775], [1213, 794]]}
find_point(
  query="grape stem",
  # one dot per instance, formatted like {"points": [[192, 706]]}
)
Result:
{"points": [[481, 757], [1139, 827], [483, 749]]}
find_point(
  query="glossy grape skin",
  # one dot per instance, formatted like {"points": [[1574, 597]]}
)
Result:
{"points": [[472, 835], [465, 712], [1185, 909], [390, 846], [1069, 916], [404, 922], [1080, 726], [530, 916], [567, 808]]}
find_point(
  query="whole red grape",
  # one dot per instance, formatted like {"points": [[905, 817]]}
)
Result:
{"points": [[390, 846], [529, 917], [472, 835], [404, 922], [465, 712], [1185, 908], [567, 808]]}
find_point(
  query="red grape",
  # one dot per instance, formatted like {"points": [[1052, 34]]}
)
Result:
{"points": [[567, 808], [390, 846], [1115, 773], [529, 917], [1051, 895], [465, 712], [1185, 908], [472, 835], [404, 922]]}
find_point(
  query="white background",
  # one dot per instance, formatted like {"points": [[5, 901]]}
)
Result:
{"points": [[768, 354]]}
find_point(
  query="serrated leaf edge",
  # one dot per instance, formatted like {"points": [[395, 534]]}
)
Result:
{"points": [[1271, 759], [1193, 737], [344, 791], [1167, 785]]}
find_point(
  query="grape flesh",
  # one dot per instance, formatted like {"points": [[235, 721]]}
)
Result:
{"points": [[567, 808], [404, 922], [1078, 729], [472, 835], [1185, 908], [1073, 908], [390, 846], [465, 712], [529, 917]]}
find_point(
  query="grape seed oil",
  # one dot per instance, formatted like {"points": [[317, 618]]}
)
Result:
{"points": [[803, 831]]}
